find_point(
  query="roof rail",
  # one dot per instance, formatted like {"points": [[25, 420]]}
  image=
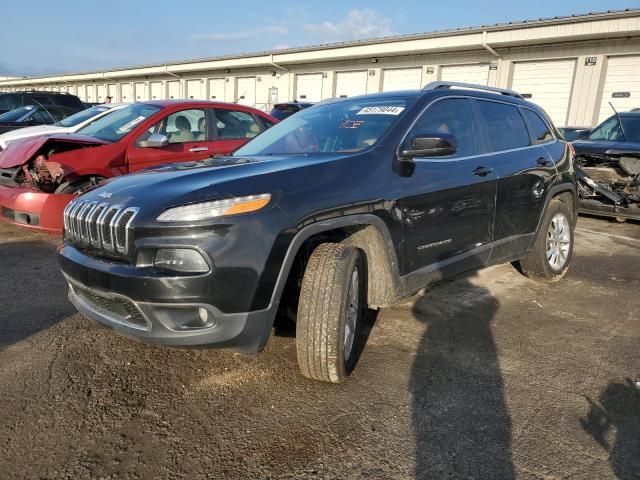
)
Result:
{"points": [[470, 86]]}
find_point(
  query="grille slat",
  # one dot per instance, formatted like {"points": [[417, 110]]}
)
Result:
{"points": [[99, 225], [121, 307]]}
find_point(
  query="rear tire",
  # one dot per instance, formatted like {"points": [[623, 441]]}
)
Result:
{"points": [[329, 312], [550, 256]]}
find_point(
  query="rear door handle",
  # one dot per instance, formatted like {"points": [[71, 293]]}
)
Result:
{"points": [[199, 149], [482, 171], [544, 162]]}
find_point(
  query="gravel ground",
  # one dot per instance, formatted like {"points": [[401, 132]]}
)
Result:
{"points": [[488, 376]]}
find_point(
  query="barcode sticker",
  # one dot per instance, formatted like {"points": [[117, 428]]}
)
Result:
{"points": [[382, 110]]}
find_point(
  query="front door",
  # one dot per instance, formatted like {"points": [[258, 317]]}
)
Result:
{"points": [[189, 135], [448, 202]]}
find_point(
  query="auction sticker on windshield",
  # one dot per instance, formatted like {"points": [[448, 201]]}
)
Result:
{"points": [[128, 126], [381, 110]]}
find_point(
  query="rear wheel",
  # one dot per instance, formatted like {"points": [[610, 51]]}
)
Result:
{"points": [[550, 256], [329, 312]]}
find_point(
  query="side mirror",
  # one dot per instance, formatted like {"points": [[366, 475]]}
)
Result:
{"points": [[155, 140], [431, 145]]}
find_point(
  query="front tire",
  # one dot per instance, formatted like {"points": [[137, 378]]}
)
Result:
{"points": [[329, 312], [550, 256]]}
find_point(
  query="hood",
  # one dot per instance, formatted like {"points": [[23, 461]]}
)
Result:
{"points": [[30, 132], [180, 183], [20, 151]]}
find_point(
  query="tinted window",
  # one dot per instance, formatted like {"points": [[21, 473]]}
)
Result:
{"points": [[82, 116], [539, 129], [17, 114], [233, 124], [631, 126], [343, 126], [10, 101], [505, 126], [453, 116], [607, 130]]}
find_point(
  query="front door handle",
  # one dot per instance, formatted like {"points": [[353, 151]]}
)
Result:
{"points": [[544, 162], [482, 171], [199, 149]]}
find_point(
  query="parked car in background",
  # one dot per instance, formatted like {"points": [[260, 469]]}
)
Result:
{"points": [[33, 115], [608, 167], [40, 175], [12, 100], [70, 124], [284, 110], [354, 203]]}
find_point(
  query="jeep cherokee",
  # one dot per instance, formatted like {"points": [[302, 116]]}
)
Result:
{"points": [[346, 205]]}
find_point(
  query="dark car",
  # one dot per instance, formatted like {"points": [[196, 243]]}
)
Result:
{"points": [[12, 100], [572, 133], [608, 167], [31, 115], [285, 110], [360, 202]]}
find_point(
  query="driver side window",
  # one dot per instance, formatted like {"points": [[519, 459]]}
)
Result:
{"points": [[453, 116], [181, 127]]}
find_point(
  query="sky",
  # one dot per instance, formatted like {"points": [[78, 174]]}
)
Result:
{"points": [[41, 37]]}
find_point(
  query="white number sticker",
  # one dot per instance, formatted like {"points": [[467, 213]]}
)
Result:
{"points": [[128, 126], [382, 110]]}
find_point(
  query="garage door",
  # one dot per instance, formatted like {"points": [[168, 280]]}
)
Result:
{"points": [[349, 84], [140, 90], [547, 83], [102, 93], [309, 87], [216, 89], [112, 91], [91, 93], [174, 89], [401, 79], [156, 91], [478, 73], [81, 92], [194, 89], [126, 90], [247, 91], [621, 86]]}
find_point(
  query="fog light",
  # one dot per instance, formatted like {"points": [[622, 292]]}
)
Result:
{"points": [[203, 313], [180, 260]]}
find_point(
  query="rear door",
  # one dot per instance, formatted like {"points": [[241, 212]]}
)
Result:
{"points": [[448, 202], [525, 171], [234, 128], [190, 138]]}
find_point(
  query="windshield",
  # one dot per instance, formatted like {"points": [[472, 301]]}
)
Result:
{"points": [[610, 129], [78, 118], [116, 125], [345, 126], [17, 114]]}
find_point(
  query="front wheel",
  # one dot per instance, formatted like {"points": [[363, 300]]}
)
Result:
{"points": [[550, 256], [329, 312]]}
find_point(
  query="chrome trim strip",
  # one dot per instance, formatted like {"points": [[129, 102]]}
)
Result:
{"points": [[125, 248]]}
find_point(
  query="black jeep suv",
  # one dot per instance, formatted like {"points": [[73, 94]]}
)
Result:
{"points": [[346, 205], [12, 100]]}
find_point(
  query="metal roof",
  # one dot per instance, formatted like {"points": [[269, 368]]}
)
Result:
{"points": [[389, 39]]}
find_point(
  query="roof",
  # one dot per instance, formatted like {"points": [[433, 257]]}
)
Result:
{"points": [[389, 39]]}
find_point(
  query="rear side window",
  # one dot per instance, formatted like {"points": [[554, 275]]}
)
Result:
{"points": [[504, 124], [539, 129], [234, 124], [10, 101], [453, 116]]}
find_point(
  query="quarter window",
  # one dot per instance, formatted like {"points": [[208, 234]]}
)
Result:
{"points": [[539, 128], [234, 124], [453, 116], [504, 124]]}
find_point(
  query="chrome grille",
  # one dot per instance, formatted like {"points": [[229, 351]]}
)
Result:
{"points": [[99, 225]]}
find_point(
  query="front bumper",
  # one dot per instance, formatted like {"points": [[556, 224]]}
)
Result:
{"points": [[103, 291], [32, 209]]}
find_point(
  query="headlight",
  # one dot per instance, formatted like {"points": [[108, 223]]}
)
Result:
{"points": [[180, 260], [217, 208]]}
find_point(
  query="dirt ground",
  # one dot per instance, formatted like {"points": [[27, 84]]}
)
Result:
{"points": [[489, 376]]}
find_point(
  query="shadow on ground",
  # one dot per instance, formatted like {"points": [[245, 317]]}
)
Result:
{"points": [[614, 422], [32, 291], [460, 418]]}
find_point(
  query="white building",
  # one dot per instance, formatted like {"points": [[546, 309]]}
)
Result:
{"points": [[572, 66]]}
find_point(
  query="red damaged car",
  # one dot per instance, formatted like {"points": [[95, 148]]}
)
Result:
{"points": [[40, 175]]}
